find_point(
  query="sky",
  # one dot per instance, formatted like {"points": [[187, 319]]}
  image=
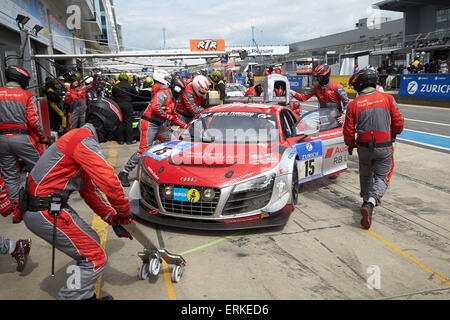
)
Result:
{"points": [[279, 22]]}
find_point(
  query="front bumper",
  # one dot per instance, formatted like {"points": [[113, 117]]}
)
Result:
{"points": [[149, 206]]}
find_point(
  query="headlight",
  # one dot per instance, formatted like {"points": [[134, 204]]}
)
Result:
{"points": [[168, 192], [208, 194], [145, 176], [257, 184]]}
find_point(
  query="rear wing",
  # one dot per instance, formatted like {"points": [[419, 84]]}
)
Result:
{"points": [[268, 95]]}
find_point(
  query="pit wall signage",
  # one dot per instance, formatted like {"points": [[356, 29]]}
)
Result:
{"points": [[207, 45], [432, 86], [344, 81]]}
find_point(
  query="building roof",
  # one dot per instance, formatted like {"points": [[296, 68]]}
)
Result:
{"points": [[402, 5]]}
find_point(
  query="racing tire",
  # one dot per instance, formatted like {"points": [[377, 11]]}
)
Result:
{"points": [[295, 187], [143, 271]]}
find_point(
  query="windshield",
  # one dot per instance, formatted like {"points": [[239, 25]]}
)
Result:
{"points": [[233, 127]]}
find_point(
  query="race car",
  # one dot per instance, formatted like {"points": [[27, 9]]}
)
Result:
{"points": [[235, 90], [237, 166]]}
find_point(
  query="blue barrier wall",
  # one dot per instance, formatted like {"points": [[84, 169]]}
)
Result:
{"points": [[434, 86], [295, 82]]}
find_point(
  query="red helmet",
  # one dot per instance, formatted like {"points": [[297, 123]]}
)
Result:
{"points": [[322, 74]]}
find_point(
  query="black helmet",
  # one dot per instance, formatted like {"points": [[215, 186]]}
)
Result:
{"points": [[19, 75], [363, 79], [177, 87], [322, 74], [108, 112], [259, 89]]}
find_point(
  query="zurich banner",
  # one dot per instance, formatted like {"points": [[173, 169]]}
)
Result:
{"points": [[295, 82], [434, 86]]}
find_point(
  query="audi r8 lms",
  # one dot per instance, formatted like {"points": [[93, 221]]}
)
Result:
{"points": [[237, 166]]}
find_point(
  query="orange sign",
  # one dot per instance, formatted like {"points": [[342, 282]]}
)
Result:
{"points": [[208, 45]]}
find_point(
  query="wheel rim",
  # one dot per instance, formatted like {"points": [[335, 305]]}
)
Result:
{"points": [[176, 274], [143, 272], [154, 267]]}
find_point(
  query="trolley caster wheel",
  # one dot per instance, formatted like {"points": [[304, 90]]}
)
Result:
{"points": [[143, 271], [177, 272], [154, 266]]}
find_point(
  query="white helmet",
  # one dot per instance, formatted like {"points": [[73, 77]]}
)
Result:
{"points": [[88, 80], [162, 76], [201, 85]]}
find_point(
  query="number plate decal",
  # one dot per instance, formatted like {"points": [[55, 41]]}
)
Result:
{"points": [[311, 157]]}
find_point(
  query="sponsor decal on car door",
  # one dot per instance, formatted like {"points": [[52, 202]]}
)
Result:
{"points": [[310, 160]]}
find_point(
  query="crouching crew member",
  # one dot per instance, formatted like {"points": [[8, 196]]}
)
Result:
{"points": [[75, 163], [191, 102], [374, 117]]}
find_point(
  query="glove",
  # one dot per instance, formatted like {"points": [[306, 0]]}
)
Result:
{"points": [[350, 150], [122, 219], [292, 92], [44, 140], [6, 206], [17, 215], [121, 232]]}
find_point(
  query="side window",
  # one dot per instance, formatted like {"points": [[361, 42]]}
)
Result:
{"points": [[291, 119], [287, 131]]}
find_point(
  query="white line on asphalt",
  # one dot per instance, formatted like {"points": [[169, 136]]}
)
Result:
{"points": [[438, 123]]}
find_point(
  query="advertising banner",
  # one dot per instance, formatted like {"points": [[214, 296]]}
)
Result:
{"points": [[207, 45], [240, 80], [344, 81], [433, 86], [305, 67], [62, 38], [295, 82]]}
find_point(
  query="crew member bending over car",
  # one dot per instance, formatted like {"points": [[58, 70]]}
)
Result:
{"points": [[191, 102], [330, 94], [376, 120], [160, 113], [75, 163], [255, 91]]}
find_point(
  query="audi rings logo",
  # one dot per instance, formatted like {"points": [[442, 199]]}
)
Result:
{"points": [[412, 87], [309, 147], [188, 179]]}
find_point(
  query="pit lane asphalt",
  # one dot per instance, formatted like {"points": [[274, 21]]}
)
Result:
{"points": [[322, 252]]}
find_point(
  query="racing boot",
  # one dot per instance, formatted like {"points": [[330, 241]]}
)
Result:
{"points": [[21, 253], [366, 212], [123, 177], [94, 297]]}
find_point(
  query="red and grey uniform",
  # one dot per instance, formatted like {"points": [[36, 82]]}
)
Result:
{"points": [[251, 92], [160, 113], [76, 163], [373, 116], [76, 99], [19, 127], [7, 246], [190, 104], [332, 95]]}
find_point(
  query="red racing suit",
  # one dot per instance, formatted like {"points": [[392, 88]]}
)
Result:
{"points": [[75, 163], [190, 104], [20, 128], [374, 117], [251, 92], [160, 112], [76, 99], [6, 206], [331, 95]]}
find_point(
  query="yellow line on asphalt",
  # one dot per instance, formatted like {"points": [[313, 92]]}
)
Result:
{"points": [[168, 281], [437, 275], [100, 226]]}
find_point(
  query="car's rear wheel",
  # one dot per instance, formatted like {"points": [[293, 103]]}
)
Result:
{"points": [[294, 187]]}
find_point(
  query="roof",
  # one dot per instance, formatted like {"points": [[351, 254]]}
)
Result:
{"points": [[402, 5]]}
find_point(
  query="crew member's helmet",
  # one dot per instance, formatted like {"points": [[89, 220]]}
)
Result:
{"points": [[123, 76], [109, 114], [322, 74], [216, 74], [150, 81], [19, 75], [201, 85], [162, 77], [363, 79], [259, 89], [177, 87], [88, 81]]}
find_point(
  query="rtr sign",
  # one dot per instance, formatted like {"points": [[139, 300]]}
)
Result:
{"points": [[208, 45]]}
